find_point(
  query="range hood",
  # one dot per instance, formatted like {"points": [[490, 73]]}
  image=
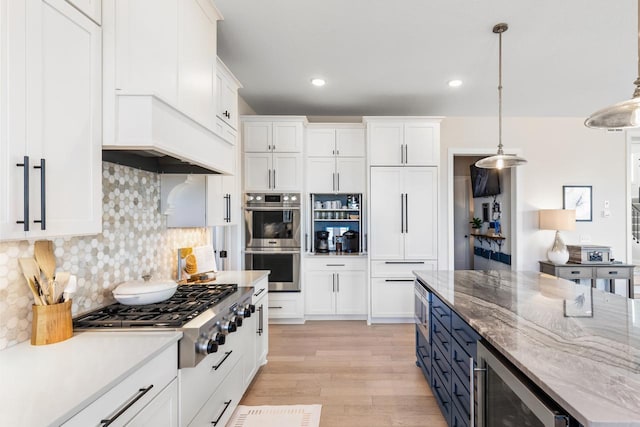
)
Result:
{"points": [[145, 132]]}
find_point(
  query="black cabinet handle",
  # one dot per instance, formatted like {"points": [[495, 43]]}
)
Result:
{"points": [[440, 311], [226, 406], [25, 204], [467, 339], [260, 319], [43, 201], [132, 401], [399, 280], [401, 212], [275, 307], [406, 212], [613, 272], [259, 292], [335, 265], [575, 272], [404, 262], [226, 355]]}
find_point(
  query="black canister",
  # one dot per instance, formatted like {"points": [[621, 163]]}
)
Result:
{"points": [[351, 241], [322, 241]]}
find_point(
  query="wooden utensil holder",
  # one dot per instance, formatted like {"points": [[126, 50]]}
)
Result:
{"points": [[51, 323]]}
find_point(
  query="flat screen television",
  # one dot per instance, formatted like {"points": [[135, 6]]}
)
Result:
{"points": [[484, 182]]}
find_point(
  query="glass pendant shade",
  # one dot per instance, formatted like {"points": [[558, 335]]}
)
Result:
{"points": [[500, 160]]}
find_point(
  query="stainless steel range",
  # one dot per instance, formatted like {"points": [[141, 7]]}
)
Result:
{"points": [[205, 313]]}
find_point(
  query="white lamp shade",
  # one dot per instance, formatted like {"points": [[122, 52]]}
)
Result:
{"points": [[557, 219]]}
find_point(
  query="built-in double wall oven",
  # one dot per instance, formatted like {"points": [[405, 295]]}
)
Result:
{"points": [[272, 238]]}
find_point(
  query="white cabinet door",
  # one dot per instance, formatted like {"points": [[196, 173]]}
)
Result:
{"points": [[147, 47], [257, 137], [221, 196], [320, 292], [392, 298], [350, 142], [257, 171], [386, 143], [321, 142], [261, 302], [422, 147], [161, 411], [421, 236], [287, 172], [197, 62], [287, 137], [350, 174], [228, 102], [320, 172], [63, 117], [387, 239], [351, 295]]}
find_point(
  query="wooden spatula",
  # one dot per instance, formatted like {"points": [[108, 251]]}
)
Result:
{"points": [[43, 252], [30, 269]]}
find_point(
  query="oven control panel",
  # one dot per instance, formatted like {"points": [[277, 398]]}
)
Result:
{"points": [[272, 200]]}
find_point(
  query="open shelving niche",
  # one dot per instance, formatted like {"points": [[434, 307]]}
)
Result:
{"points": [[332, 220]]}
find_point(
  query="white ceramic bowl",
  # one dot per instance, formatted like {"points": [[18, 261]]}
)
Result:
{"points": [[140, 292]]}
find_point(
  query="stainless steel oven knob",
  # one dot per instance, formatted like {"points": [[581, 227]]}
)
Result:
{"points": [[228, 326], [219, 338], [237, 320], [206, 346]]}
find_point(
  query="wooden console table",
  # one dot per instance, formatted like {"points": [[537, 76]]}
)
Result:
{"points": [[609, 272]]}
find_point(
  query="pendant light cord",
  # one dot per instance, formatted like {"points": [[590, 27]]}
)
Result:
{"points": [[500, 93]]}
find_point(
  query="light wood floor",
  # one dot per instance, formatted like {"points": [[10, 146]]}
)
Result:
{"points": [[362, 375]]}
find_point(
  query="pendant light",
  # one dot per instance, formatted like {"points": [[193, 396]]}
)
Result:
{"points": [[622, 115], [500, 160]]}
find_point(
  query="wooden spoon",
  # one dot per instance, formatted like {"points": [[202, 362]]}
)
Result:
{"points": [[30, 270], [62, 278], [43, 252]]}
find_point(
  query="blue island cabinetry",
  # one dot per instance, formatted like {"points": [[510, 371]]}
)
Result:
{"points": [[446, 359]]}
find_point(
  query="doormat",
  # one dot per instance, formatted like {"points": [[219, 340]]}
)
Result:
{"points": [[276, 416]]}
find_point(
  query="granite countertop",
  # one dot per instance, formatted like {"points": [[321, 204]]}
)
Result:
{"points": [[71, 373], [589, 365]]}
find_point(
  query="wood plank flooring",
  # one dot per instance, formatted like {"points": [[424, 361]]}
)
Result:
{"points": [[362, 375]]}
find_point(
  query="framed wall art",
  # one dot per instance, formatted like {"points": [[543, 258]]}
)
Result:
{"points": [[578, 197]]}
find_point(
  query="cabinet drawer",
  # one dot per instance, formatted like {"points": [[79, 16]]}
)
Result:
{"points": [[336, 264], [392, 298], [423, 350], [205, 378], [575, 272], [220, 406], [441, 337], [400, 268], [460, 362], [441, 311], [285, 305], [613, 273], [464, 334], [460, 396], [441, 393], [154, 377], [440, 364], [458, 417]]}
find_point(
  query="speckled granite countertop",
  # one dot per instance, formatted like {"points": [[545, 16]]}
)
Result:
{"points": [[588, 365]]}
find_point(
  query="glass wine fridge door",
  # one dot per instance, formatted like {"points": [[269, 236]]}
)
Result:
{"points": [[505, 400]]}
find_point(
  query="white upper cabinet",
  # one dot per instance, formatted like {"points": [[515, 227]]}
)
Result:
{"points": [[53, 129], [403, 141], [335, 158], [272, 153], [227, 90]]}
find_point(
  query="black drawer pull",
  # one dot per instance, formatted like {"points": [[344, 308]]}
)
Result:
{"points": [[467, 339], [398, 280], [226, 355], [404, 262], [442, 313], [613, 272], [226, 406], [275, 307], [575, 272], [335, 265], [259, 292], [132, 401]]}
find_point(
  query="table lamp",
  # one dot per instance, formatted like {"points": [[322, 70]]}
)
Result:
{"points": [[557, 219]]}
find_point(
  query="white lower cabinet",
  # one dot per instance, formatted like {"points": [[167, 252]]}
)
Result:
{"points": [[219, 407], [260, 327], [285, 305], [392, 288], [335, 286], [147, 394]]}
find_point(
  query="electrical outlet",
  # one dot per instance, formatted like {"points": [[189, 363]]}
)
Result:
{"points": [[585, 238], [606, 213], [606, 204]]}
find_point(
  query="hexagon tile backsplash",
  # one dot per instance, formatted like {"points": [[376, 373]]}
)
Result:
{"points": [[134, 241]]}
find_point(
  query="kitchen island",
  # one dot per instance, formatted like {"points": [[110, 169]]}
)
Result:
{"points": [[579, 345]]}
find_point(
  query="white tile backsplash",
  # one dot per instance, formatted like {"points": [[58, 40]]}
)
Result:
{"points": [[134, 241]]}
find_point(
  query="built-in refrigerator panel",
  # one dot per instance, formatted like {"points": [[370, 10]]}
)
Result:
{"points": [[336, 214]]}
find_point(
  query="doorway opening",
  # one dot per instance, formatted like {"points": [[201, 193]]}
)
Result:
{"points": [[483, 195]]}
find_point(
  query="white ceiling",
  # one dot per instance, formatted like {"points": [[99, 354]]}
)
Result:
{"points": [[394, 57]]}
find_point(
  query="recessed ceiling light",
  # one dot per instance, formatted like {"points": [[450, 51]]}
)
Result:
{"points": [[318, 82], [455, 83]]}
